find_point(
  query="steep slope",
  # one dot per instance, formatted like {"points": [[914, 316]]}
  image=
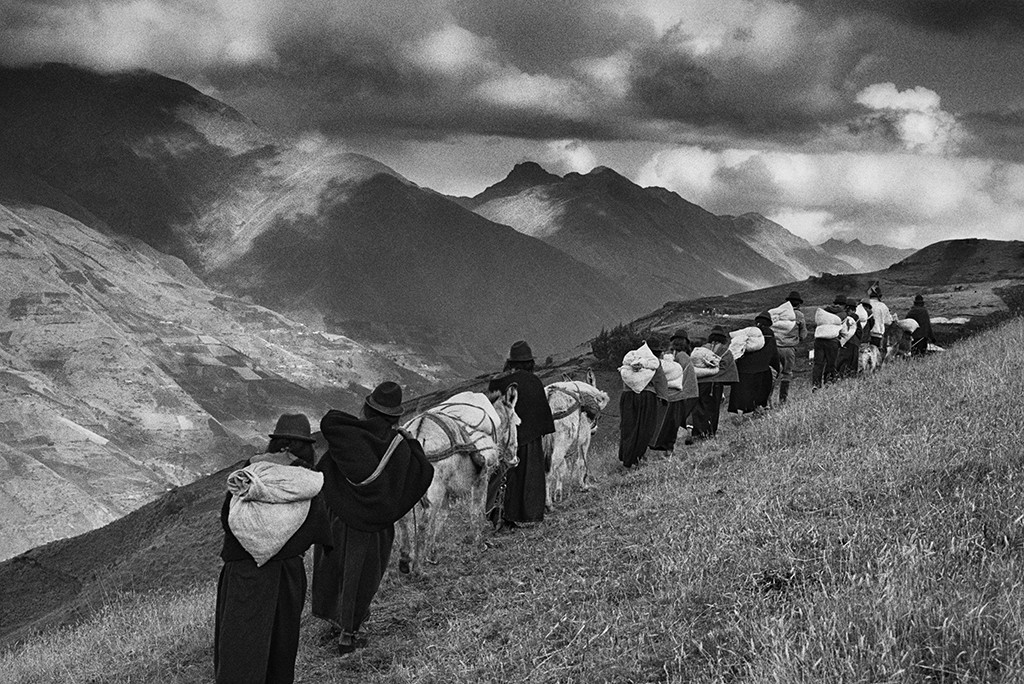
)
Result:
{"points": [[861, 257], [149, 157], [121, 375]]}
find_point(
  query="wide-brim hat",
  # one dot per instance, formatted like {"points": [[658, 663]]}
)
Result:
{"points": [[718, 332], [680, 334], [795, 297], [386, 398], [763, 316], [293, 426], [851, 302], [840, 299], [520, 351], [918, 300]]}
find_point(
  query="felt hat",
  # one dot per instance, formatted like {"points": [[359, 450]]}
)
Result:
{"points": [[293, 426], [520, 351], [851, 302], [680, 334], [795, 298], [918, 300], [840, 299], [718, 333], [763, 316], [386, 398]]}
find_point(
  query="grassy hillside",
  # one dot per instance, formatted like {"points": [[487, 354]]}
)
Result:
{"points": [[870, 532]]}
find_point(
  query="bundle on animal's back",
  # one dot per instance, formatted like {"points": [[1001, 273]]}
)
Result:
{"points": [[465, 423]]}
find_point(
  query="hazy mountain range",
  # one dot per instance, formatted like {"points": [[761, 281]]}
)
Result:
{"points": [[174, 277]]}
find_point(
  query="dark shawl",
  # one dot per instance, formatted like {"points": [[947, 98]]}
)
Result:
{"points": [[355, 449], [531, 407], [924, 323]]}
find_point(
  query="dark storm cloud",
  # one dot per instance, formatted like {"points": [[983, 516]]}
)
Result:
{"points": [[950, 16]]}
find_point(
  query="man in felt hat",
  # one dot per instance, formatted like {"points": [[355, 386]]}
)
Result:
{"points": [[787, 342], [525, 485], [921, 337], [374, 473], [756, 370], [681, 396], [881, 316], [258, 610], [826, 342], [711, 382]]}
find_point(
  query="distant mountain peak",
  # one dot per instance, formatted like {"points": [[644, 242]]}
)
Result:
{"points": [[530, 172]]}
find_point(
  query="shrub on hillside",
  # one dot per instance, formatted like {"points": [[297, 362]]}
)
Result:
{"points": [[611, 345]]}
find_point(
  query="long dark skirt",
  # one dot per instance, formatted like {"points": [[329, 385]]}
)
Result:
{"points": [[753, 390], [672, 416], [709, 406], [525, 487], [346, 578], [256, 632], [638, 424]]}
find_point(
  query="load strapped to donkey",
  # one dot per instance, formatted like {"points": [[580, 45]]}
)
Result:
{"points": [[466, 437]]}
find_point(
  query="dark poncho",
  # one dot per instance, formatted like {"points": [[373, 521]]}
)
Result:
{"points": [[531, 406], [355, 449]]}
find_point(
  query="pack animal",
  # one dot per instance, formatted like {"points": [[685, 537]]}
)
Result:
{"points": [[466, 437], [575, 407], [869, 359]]}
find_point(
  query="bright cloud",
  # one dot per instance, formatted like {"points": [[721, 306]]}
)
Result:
{"points": [[921, 123], [921, 198], [566, 156]]}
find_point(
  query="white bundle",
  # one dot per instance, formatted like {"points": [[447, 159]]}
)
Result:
{"points": [[703, 357], [746, 340], [783, 327], [673, 372], [638, 368], [908, 324], [269, 503], [826, 325], [783, 312]]}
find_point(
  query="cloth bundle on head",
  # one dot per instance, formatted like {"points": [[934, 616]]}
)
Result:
{"points": [[744, 340], [673, 371], [827, 325], [269, 503], [638, 367]]}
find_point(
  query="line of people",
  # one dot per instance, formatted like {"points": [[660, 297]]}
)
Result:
{"points": [[652, 414], [345, 505]]}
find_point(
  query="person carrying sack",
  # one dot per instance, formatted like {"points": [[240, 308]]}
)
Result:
{"points": [[374, 473], [272, 513]]}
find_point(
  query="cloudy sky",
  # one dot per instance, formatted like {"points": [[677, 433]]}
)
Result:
{"points": [[895, 121]]}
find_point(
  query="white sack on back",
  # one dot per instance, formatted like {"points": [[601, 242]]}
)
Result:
{"points": [[703, 357], [269, 503], [638, 368], [783, 312], [673, 372], [456, 405], [783, 326], [826, 325], [908, 324], [744, 340]]}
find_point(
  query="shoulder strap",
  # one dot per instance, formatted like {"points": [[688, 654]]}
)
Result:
{"points": [[380, 466]]}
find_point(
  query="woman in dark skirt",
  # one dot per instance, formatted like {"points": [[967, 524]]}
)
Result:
{"points": [[711, 387], [256, 634], [518, 495], [754, 389], [640, 414]]}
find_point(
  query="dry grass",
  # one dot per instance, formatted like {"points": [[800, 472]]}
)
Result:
{"points": [[871, 532]]}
